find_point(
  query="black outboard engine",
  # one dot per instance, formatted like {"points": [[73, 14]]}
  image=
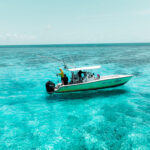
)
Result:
{"points": [[50, 86]]}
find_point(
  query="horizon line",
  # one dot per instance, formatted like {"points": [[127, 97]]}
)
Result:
{"points": [[70, 44]]}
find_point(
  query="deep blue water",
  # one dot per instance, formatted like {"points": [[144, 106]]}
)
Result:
{"points": [[109, 119]]}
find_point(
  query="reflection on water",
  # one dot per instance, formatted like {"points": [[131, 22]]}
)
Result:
{"points": [[85, 95]]}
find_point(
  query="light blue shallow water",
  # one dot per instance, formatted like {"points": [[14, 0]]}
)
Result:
{"points": [[110, 119]]}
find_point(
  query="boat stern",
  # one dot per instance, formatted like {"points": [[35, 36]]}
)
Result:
{"points": [[50, 87]]}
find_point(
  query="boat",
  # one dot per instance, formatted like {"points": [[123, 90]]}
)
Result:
{"points": [[88, 81]]}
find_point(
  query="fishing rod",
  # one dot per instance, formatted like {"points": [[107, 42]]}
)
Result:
{"points": [[56, 59], [62, 61], [72, 61]]}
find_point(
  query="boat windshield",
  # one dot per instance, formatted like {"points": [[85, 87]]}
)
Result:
{"points": [[81, 76]]}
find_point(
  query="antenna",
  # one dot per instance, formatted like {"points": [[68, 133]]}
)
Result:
{"points": [[65, 66], [56, 59], [72, 61]]}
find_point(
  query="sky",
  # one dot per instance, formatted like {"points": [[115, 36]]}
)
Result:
{"points": [[74, 21]]}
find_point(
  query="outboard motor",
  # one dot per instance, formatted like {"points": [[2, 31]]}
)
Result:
{"points": [[50, 86]]}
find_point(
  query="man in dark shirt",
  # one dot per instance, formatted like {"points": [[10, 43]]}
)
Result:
{"points": [[80, 75], [65, 79]]}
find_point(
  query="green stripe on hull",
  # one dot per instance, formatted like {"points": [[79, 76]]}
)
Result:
{"points": [[93, 85], [92, 89]]}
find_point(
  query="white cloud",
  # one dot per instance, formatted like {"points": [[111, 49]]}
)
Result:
{"points": [[15, 36], [48, 27], [144, 12]]}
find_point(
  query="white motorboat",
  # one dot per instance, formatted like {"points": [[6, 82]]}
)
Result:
{"points": [[88, 81]]}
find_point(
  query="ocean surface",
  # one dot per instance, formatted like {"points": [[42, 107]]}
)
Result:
{"points": [[108, 119]]}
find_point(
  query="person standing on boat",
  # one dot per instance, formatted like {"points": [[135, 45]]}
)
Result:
{"points": [[65, 79], [80, 75], [61, 74]]}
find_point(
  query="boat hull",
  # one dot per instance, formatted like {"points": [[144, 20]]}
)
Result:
{"points": [[105, 82]]}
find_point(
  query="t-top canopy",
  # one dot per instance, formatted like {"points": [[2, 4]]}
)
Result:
{"points": [[84, 68]]}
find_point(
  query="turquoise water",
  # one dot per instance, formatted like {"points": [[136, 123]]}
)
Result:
{"points": [[109, 119]]}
